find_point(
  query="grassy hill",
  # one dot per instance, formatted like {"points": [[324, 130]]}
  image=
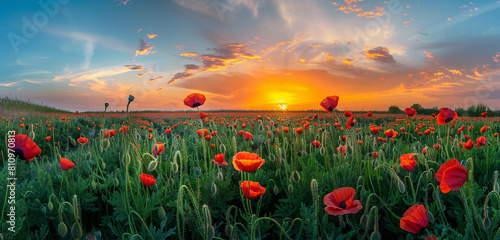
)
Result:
{"points": [[15, 105]]}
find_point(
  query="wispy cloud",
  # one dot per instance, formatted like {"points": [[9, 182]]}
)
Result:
{"points": [[134, 67], [11, 84]]}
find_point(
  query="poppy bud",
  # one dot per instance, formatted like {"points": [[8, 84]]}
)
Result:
{"points": [[130, 98], [430, 216], [97, 234], [62, 229], [106, 105], [401, 187], [161, 213], [197, 171], [50, 205], [487, 223]]}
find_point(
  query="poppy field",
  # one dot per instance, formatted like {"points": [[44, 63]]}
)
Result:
{"points": [[249, 175]]}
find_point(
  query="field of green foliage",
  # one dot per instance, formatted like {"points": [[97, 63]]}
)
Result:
{"points": [[284, 175]]}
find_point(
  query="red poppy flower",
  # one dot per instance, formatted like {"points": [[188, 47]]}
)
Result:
{"points": [[481, 141], [66, 164], [342, 149], [316, 143], [410, 112], [158, 148], [248, 136], [431, 237], [194, 100], [350, 123], [240, 133], [48, 138], [374, 129], [408, 161], [414, 219], [205, 132], [483, 129], [203, 115], [389, 133], [252, 190], [329, 103], [348, 114], [83, 140], [212, 145], [147, 179], [452, 175], [220, 159], [484, 114], [469, 145], [208, 137], [247, 162], [25, 148], [445, 116], [150, 137], [374, 154], [299, 130], [168, 131], [369, 114], [340, 202], [495, 135], [123, 130], [285, 129]]}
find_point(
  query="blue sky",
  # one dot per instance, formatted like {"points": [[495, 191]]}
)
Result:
{"points": [[251, 54]]}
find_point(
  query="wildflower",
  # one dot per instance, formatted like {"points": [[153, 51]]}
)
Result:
{"points": [[194, 100], [414, 219], [410, 112], [330, 103], [340, 202], [247, 162], [252, 190], [481, 141], [147, 179], [220, 159], [408, 161], [25, 148], [451, 176], [445, 116], [66, 164], [83, 140]]}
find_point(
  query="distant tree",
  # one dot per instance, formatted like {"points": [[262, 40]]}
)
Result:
{"points": [[395, 109], [417, 107], [460, 111]]}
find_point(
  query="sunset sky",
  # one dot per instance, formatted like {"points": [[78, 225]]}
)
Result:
{"points": [[250, 54]]}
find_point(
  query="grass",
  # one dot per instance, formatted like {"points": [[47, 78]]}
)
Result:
{"points": [[194, 198], [25, 106]]}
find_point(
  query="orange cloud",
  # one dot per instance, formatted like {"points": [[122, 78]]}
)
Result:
{"points": [[154, 79], [189, 54], [144, 49], [225, 56], [428, 54], [348, 61], [380, 54], [496, 57], [152, 35], [134, 67], [143, 74], [454, 71]]}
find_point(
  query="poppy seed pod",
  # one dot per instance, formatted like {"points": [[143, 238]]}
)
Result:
{"points": [[130, 98]]}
